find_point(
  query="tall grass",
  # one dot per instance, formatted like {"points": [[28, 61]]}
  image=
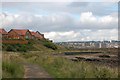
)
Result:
{"points": [[11, 68], [63, 68]]}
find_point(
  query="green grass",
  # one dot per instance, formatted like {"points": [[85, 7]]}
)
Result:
{"points": [[18, 47], [11, 67], [57, 67], [33, 45], [60, 67]]}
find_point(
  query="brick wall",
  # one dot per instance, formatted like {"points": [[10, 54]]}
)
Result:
{"points": [[14, 41]]}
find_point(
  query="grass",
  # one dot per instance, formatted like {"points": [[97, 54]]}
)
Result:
{"points": [[11, 68], [60, 67], [18, 47]]}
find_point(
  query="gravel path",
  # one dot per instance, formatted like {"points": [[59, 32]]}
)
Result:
{"points": [[35, 71]]}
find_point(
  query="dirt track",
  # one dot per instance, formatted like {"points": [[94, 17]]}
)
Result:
{"points": [[34, 71]]}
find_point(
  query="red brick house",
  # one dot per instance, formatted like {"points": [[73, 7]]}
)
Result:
{"points": [[3, 34], [19, 34], [40, 36], [33, 35], [37, 35]]}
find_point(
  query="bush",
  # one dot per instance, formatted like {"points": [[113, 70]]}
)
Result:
{"points": [[30, 43], [50, 45], [16, 47], [22, 48], [10, 48]]}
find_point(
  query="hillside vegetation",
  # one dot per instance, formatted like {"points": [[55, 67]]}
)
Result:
{"points": [[33, 45], [41, 52], [12, 61], [61, 67]]}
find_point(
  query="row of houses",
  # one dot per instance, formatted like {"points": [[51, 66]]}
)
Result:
{"points": [[22, 34]]}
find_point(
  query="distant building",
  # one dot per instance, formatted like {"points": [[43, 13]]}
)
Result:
{"points": [[90, 44]]}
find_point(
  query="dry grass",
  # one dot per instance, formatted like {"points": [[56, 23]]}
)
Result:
{"points": [[58, 67], [11, 67], [63, 68]]}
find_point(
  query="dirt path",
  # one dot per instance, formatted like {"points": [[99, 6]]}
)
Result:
{"points": [[34, 71]]}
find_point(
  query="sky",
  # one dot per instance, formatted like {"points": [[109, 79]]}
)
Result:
{"points": [[64, 20]]}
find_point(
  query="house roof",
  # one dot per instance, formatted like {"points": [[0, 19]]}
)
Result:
{"points": [[2, 31], [20, 31], [33, 33], [39, 33], [36, 34]]}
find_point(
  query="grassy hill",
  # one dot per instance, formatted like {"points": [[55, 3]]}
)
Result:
{"points": [[33, 45]]}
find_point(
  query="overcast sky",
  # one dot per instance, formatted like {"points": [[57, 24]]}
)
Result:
{"points": [[63, 21]]}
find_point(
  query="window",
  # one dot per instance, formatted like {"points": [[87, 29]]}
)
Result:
{"points": [[27, 35]]}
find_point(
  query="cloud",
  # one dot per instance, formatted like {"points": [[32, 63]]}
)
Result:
{"points": [[87, 17], [83, 35], [41, 22], [62, 36], [63, 21], [89, 21], [58, 22], [59, 0], [79, 4], [98, 8]]}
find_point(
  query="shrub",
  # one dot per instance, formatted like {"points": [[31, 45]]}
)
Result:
{"points": [[30, 43], [10, 48], [22, 48], [18, 45], [15, 47], [50, 45]]}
